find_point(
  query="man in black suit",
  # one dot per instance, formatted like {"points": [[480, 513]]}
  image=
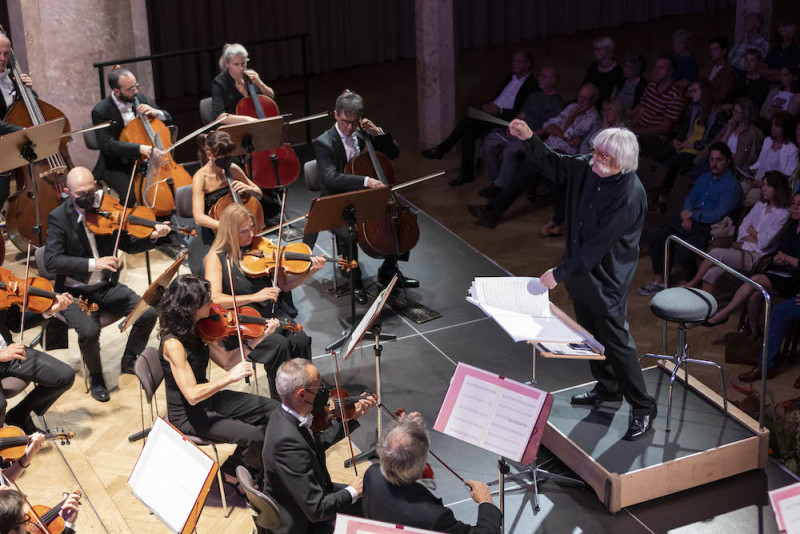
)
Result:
{"points": [[73, 251], [118, 157], [393, 492], [333, 149], [295, 472], [506, 104]]}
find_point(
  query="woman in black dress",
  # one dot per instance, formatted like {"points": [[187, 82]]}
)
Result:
{"points": [[230, 86]]}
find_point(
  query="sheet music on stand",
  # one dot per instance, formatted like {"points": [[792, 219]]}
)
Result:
{"points": [[785, 503], [369, 318], [348, 524], [172, 477]]}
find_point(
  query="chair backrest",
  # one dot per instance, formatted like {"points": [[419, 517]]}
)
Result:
{"points": [[206, 114], [311, 175], [12, 386], [90, 138], [265, 506], [183, 201], [38, 256], [149, 372]]}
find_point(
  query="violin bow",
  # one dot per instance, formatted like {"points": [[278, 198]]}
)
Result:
{"points": [[278, 226], [25, 298], [279, 257], [344, 418], [417, 180], [236, 314], [124, 214], [195, 133]]}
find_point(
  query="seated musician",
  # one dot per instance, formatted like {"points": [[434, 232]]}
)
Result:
{"points": [[13, 509], [234, 237], [79, 259], [295, 471], [51, 376], [209, 185], [10, 94], [393, 493], [230, 86], [336, 147], [195, 405], [117, 157]]}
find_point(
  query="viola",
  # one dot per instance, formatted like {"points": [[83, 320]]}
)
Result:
{"points": [[221, 323], [13, 441], [269, 168], [261, 259], [139, 221], [249, 202], [340, 406], [156, 189], [40, 293], [49, 517]]}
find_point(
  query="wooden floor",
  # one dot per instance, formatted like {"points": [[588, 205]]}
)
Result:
{"points": [[100, 458]]}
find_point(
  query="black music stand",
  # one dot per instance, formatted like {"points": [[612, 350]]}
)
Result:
{"points": [[17, 149], [347, 209]]}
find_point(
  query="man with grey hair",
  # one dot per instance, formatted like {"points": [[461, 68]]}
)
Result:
{"points": [[295, 471], [393, 493], [605, 210]]}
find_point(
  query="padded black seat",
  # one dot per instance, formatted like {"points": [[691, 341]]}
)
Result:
{"points": [[683, 305]]}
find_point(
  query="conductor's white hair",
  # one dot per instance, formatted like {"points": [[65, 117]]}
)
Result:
{"points": [[230, 51], [621, 144]]}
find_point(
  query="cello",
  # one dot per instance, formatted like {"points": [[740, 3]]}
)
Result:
{"points": [[37, 195], [156, 189]]}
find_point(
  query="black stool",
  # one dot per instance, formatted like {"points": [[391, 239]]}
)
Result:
{"points": [[684, 306]]}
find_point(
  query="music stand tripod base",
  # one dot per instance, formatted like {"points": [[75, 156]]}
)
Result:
{"points": [[536, 475]]}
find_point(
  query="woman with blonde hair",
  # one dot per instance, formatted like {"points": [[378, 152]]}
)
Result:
{"points": [[230, 85]]}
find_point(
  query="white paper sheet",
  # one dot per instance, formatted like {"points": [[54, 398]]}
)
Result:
{"points": [[790, 511], [519, 294]]}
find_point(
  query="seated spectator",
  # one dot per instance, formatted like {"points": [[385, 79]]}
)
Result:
{"points": [[613, 115], [660, 108], [720, 73], [751, 84], [778, 153], [687, 69], [751, 39], [783, 53], [604, 73], [702, 122], [506, 105], [781, 278], [785, 96], [503, 153], [715, 195], [757, 235], [634, 84], [742, 137]]}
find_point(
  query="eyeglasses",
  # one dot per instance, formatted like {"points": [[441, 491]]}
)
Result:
{"points": [[351, 123], [602, 155], [131, 87]]}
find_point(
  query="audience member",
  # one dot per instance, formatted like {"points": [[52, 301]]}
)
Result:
{"points": [[783, 53], [778, 153], [716, 194], [687, 69], [613, 115], [660, 108], [785, 96], [751, 84], [630, 91], [604, 73], [720, 73], [506, 104], [751, 39]]}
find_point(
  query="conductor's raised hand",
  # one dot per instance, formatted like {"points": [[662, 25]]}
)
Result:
{"points": [[548, 279], [520, 129]]}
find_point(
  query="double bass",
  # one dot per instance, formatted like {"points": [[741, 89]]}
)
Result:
{"points": [[156, 188], [40, 193]]}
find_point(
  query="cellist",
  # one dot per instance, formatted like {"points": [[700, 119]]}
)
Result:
{"points": [[117, 157], [230, 86], [333, 150], [10, 94]]}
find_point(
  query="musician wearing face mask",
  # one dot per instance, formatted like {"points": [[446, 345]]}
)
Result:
{"points": [[84, 264], [295, 472], [117, 157]]}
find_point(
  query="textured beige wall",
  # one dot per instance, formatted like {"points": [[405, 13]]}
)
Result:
{"points": [[63, 39]]}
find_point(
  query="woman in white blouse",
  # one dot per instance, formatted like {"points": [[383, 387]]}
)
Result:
{"points": [[757, 233], [778, 153]]}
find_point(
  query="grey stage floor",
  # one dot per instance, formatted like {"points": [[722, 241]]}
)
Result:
{"points": [[416, 369]]}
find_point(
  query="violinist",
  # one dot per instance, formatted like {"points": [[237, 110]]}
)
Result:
{"points": [[230, 86], [79, 258], [13, 471], [333, 150], [195, 405], [396, 492], [13, 506], [295, 471], [235, 236], [209, 185], [118, 157]]}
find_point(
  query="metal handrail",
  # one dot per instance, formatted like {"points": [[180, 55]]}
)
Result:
{"points": [[745, 280]]}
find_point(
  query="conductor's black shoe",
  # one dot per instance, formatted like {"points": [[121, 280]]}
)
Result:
{"points": [[361, 295], [128, 365], [98, 388], [433, 153], [486, 216], [461, 180], [592, 397], [490, 192], [640, 425]]}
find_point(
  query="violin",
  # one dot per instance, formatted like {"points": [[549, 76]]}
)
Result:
{"points": [[249, 202], [139, 221], [268, 168], [261, 259], [49, 517], [398, 231], [40, 293], [13, 441], [221, 323], [156, 189], [340, 406]]}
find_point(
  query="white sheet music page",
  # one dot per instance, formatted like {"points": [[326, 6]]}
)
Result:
{"points": [[492, 417], [517, 294], [169, 475]]}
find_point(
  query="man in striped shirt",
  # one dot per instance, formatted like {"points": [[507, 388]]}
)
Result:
{"points": [[660, 108]]}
